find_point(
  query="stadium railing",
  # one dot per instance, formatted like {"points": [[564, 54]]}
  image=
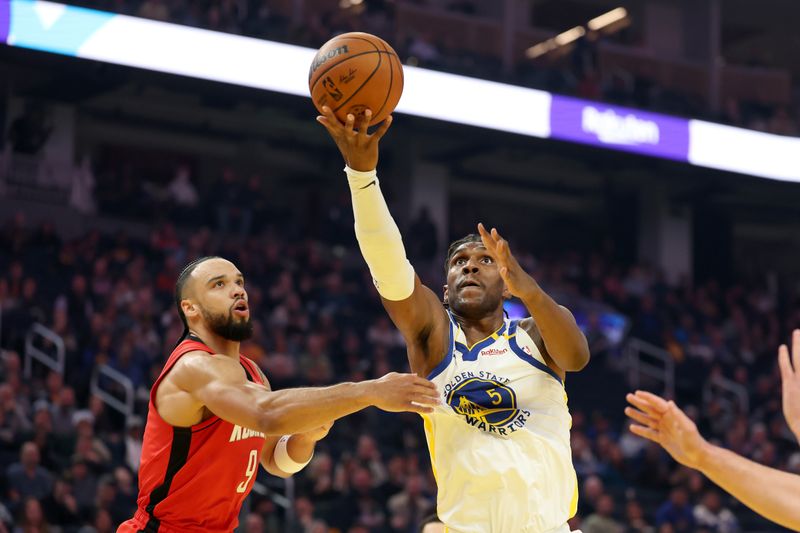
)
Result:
{"points": [[649, 361], [33, 352], [105, 372]]}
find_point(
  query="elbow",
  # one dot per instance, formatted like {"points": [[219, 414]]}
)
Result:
{"points": [[578, 361]]}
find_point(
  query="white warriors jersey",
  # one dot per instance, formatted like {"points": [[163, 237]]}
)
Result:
{"points": [[499, 443]]}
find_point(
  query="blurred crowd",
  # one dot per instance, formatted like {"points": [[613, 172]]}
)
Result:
{"points": [[578, 73], [69, 460]]}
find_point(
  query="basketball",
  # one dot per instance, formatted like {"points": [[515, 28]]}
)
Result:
{"points": [[353, 72]]}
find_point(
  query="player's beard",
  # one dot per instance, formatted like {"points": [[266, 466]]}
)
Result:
{"points": [[228, 327]]}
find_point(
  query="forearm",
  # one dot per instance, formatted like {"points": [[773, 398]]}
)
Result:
{"points": [[300, 450], [291, 411], [769, 492], [565, 342], [379, 237]]}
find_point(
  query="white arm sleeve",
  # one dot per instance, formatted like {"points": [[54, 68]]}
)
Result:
{"points": [[379, 238]]}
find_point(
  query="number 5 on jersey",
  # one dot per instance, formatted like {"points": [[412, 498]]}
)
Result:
{"points": [[252, 467]]}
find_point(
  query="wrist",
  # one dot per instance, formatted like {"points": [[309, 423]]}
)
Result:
{"points": [[532, 295], [367, 394], [704, 453], [360, 173]]}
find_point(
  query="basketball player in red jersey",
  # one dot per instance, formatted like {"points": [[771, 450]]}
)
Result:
{"points": [[213, 419]]}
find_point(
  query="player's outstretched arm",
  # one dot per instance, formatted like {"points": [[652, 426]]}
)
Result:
{"points": [[416, 310], [298, 448], [769, 492], [565, 343], [790, 375], [219, 384]]}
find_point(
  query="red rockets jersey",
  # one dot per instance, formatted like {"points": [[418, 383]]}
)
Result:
{"points": [[194, 478]]}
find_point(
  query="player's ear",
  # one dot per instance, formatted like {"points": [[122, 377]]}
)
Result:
{"points": [[506, 293], [444, 293], [189, 308]]}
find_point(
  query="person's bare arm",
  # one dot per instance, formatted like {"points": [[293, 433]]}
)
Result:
{"points": [[220, 384], [564, 343], [416, 311], [300, 448], [423, 322], [790, 376], [769, 492]]}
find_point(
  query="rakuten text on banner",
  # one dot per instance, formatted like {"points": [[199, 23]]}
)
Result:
{"points": [[619, 128]]}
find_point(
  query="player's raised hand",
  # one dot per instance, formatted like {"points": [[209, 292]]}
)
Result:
{"points": [[405, 392], [518, 282], [359, 148], [790, 375], [664, 423]]}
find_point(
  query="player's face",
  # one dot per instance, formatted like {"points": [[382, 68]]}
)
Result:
{"points": [[474, 286], [221, 299]]}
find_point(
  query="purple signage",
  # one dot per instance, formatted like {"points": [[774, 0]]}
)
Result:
{"points": [[5, 19], [620, 128]]}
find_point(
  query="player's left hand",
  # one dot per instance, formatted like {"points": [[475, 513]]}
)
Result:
{"points": [[518, 282], [791, 382], [317, 434], [661, 421]]}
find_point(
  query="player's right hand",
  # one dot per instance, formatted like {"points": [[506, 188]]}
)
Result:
{"points": [[404, 392], [359, 149]]}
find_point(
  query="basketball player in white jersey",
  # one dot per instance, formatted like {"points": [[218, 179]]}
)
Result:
{"points": [[499, 443]]}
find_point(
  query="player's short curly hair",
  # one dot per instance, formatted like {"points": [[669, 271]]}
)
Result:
{"points": [[472, 237]]}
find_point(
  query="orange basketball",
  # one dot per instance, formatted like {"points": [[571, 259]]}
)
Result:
{"points": [[353, 72]]}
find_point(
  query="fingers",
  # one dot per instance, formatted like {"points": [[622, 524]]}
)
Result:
{"points": [[645, 405], [647, 433], [783, 362], [382, 129], [659, 403], [363, 126], [329, 120], [486, 237], [425, 384], [349, 123], [421, 409], [641, 417], [796, 349]]}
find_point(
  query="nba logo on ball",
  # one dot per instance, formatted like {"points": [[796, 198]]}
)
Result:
{"points": [[354, 72], [484, 403]]}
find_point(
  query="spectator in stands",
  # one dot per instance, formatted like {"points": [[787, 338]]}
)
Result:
{"points": [[677, 512], [407, 508], [710, 515], [602, 520], [27, 478], [32, 518], [634, 518]]}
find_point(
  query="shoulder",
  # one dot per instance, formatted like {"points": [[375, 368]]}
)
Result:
{"points": [[197, 367], [528, 325]]}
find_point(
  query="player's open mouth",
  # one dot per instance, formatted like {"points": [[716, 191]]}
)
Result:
{"points": [[241, 309], [469, 283]]}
